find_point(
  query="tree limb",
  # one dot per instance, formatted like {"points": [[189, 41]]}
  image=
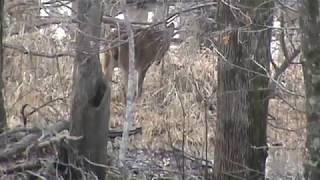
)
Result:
{"points": [[288, 58], [24, 50]]}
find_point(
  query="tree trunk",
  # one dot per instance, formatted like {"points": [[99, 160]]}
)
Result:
{"points": [[130, 94], [310, 25], [90, 111], [240, 149], [3, 120]]}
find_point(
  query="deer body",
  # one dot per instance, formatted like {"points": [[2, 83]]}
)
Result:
{"points": [[150, 46]]}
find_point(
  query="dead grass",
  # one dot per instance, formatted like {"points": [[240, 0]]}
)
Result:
{"points": [[173, 98], [35, 81], [181, 86]]}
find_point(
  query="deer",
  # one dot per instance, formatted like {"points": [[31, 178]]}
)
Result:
{"points": [[151, 45]]}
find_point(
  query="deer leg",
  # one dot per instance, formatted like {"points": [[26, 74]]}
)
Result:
{"points": [[141, 76], [110, 68]]}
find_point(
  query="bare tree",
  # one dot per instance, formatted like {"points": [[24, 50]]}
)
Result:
{"points": [[310, 26], [90, 111], [3, 120], [131, 89], [244, 50]]}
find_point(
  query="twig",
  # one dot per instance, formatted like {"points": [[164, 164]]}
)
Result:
{"points": [[183, 129], [35, 53], [25, 116], [44, 105], [38, 176], [282, 128]]}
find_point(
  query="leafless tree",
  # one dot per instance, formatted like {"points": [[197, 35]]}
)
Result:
{"points": [[244, 58], [132, 88]]}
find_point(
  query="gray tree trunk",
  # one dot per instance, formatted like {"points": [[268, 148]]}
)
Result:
{"points": [[240, 149], [3, 120], [310, 25], [90, 106]]}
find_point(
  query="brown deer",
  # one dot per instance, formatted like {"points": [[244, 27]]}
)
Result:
{"points": [[151, 45]]}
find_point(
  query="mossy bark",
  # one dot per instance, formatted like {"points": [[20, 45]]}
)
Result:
{"points": [[310, 25], [240, 149]]}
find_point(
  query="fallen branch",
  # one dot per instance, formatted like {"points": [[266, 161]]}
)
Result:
{"points": [[28, 165], [37, 138], [113, 133], [21, 146], [18, 147]]}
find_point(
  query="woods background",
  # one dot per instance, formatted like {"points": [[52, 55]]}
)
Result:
{"points": [[182, 97]]}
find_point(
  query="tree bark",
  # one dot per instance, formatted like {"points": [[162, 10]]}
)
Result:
{"points": [[310, 25], [244, 49], [90, 110], [3, 119]]}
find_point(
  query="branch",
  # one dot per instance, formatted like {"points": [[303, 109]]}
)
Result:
{"points": [[28, 165], [288, 7], [43, 22], [24, 50], [10, 5], [40, 23], [25, 116], [36, 138], [18, 147], [22, 144], [112, 20], [116, 21], [288, 58], [286, 63]]}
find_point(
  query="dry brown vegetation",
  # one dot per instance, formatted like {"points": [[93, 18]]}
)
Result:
{"points": [[175, 98], [178, 101]]}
